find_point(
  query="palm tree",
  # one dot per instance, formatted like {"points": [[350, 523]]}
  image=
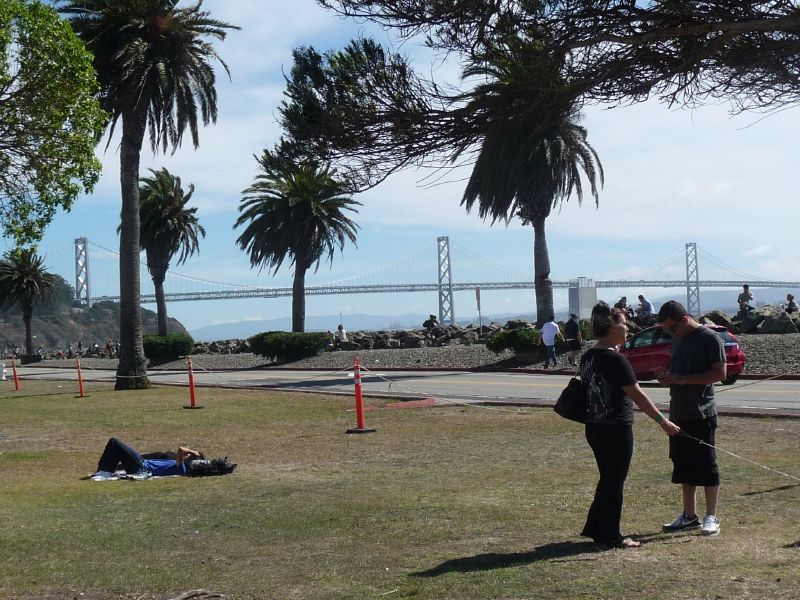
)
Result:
{"points": [[529, 161], [25, 281], [294, 211], [154, 67], [167, 228]]}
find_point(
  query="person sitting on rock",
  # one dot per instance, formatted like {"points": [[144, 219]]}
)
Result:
{"points": [[430, 323], [339, 337], [791, 305], [745, 299]]}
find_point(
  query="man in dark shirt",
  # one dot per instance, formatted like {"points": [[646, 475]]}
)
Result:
{"points": [[698, 361], [572, 333]]}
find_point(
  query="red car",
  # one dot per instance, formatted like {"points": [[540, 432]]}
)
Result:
{"points": [[650, 350]]}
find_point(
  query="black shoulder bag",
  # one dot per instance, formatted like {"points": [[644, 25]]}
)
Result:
{"points": [[571, 404]]}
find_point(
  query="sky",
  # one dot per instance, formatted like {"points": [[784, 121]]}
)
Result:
{"points": [[671, 176]]}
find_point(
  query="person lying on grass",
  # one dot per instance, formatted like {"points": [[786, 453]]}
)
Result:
{"points": [[185, 461]]}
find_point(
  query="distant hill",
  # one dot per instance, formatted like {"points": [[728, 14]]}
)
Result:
{"points": [[88, 325]]}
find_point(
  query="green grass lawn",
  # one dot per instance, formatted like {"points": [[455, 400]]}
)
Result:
{"points": [[461, 503]]}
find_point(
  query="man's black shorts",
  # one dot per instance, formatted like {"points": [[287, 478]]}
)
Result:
{"points": [[573, 344], [694, 463]]}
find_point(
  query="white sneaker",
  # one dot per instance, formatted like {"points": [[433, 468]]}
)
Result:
{"points": [[681, 522], [102, 475], [710, 525]]}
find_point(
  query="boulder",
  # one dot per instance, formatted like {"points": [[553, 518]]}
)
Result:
{"points": [[747, 322], [518, 324], [718, 318], [776, 322], [412, 340]]}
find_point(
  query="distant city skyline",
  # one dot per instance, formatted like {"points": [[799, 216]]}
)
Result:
{"points": [[672, 176]]}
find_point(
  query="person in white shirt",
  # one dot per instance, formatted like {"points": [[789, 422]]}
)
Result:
{"points": [[339, 337], [550, 331]]}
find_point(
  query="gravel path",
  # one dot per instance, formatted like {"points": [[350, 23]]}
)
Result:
{"points": [[766, 354]]}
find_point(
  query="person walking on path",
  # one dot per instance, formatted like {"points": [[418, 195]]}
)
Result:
{"points": [[572, 333], [697, 363], [551, 331], [611, 391]]}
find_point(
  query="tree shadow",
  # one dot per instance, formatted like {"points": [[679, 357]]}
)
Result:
{"points": [[775, 489], [793, 545], [495, 560]]}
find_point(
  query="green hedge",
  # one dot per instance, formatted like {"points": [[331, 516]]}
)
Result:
{"points": [[168, 347], [288, 347], [518, 340]]}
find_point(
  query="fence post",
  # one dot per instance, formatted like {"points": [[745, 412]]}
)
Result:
{"points": [[14, 371], [192, 398], [360, 428], [80, 378]]}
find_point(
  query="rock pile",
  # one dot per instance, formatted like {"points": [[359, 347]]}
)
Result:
{"points": [[767, 319]]}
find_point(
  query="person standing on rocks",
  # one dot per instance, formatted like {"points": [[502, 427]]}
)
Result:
{"points": [[697, 363], [550, 331]]}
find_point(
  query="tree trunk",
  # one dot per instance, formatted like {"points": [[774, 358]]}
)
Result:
{"points": [[27, 314], [158, 277], [542, 284], [299, 297], [132, 369]]}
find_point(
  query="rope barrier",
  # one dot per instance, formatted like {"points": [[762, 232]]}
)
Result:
{"points": [[752, 462], [438, 399]]}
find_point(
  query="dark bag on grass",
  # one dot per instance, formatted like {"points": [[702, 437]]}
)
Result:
{"points": [[571, 404]]}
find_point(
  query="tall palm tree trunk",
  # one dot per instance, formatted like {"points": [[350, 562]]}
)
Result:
{"points": [[299, 296], [161, 304], [27, 314], [132, 369], [542, 284]]}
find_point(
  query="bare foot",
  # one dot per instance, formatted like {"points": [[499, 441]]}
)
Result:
{"points": [[625, 543]]}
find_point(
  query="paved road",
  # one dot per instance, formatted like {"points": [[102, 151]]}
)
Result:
{"points": [[759, 396]]}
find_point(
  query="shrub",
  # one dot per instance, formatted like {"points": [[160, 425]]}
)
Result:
{"points": [[518, 340], [168, 347], [288, 347]]}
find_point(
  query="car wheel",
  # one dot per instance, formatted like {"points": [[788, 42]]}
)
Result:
{"points": [[730, 380]]}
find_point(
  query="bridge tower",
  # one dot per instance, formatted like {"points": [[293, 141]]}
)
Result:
{"points": [[692, 280], [82, 290], [446, 312]]}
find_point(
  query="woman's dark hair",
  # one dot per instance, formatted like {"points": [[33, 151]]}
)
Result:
{"points": [[603, 317], [206, 468]]}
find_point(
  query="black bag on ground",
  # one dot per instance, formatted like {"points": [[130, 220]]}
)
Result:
{"points": [[571, 404]]}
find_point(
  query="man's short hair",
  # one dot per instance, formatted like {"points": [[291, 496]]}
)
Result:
{"points": [[551, 318], [671, 310], [745, 286]]}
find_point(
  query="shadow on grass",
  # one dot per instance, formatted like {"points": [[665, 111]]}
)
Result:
{"points": [[793, 545], [775, 489], [494, 560]]}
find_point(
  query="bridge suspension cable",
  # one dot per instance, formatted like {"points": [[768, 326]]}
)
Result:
{"points": [[658, 267], [728, 268]]}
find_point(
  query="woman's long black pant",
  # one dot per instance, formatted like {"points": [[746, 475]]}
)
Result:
{"points": [[612, 445], [117, 452]]}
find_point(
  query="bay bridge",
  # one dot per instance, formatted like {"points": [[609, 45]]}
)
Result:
{"points": [[95, 273]]}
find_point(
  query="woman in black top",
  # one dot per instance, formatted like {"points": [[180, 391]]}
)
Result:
{"points": [[611, 390]]}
